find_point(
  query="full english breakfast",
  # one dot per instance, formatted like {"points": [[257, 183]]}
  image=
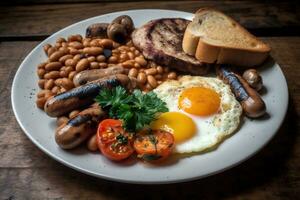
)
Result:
{"points": [[171, 86]]}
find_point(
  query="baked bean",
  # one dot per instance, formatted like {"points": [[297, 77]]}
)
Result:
{"points": [[151, 80], [57, 45], [72, 74], [62, 90], [77, 37], [63, 73], [50, 51], [115, 51], [49, 84], [141, 78], [132, 48], [137, 65], [60, 40], [123, 57], [151, 71], [61, 120], [64, 58], [133, 72], [148, 87], [71, 62], [159, 69], [82, 65], [40, 102], [64, 44], [113, 59], [123, 48], [43, 93], [103, 65], [141, 61], [128, 64], [159, 82], [93, 51], [41, 73], [77, 57], [42, 65], [73, 51], [41, 83], [56, 55], [158, 76], [46, 47], [136, 53], [86, 43], [172, 75], [76, 45], [73, 113], [94, 43], [52, 75], [86, 40], [91, 58], [101, 58], [130, 55], [53, 66], [63, 68], [65, 83], [106, 43], [115, 44], [69, 69], [92, 143], [55, 90], [94, 65]]}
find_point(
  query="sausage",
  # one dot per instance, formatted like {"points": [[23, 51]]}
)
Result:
{"points": [[94, 74], [65, 102], [79, 128], [252, 104]]}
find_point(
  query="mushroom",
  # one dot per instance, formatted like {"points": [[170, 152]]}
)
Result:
{"points": [[126, 21], [253, 78], [98, 30], [117, 32]]}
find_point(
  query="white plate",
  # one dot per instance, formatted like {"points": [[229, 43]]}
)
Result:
{"points": [[251, 137]]}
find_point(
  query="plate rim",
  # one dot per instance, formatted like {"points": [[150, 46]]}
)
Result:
{"points": [[107, 177]]}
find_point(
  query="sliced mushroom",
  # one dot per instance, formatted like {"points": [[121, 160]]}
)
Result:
{"points": [[98, 30]]}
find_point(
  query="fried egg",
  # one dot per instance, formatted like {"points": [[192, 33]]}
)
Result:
{"points": [[202, 112]]}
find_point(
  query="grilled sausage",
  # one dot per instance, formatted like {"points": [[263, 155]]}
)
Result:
{"points": [[94, 74], [63, 103], [251, 102], [79, 128]]}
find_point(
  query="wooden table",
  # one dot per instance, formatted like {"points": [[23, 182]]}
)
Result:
{"points": [[27, 173]]}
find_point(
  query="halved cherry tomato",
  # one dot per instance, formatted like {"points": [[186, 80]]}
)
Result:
{"points": [[155, 145], [113, 141]]}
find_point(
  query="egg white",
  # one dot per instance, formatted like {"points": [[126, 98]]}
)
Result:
{"points": [[211, 130]]}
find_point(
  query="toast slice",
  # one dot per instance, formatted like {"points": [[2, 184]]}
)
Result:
{"points": [[213, 37]]}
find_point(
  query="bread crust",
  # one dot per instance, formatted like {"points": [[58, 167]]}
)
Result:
{"points": [[221, 54]]}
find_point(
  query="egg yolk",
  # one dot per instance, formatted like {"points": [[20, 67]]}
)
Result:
{"points": [[180, 125], [199, 101]]}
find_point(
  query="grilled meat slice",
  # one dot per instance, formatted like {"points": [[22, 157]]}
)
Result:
{"points": [[161, 41]]}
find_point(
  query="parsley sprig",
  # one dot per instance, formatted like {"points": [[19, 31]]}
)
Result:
{"points": [[136, 110]]}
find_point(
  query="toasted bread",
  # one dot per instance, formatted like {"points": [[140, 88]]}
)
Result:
{"points": [[213, 37]]}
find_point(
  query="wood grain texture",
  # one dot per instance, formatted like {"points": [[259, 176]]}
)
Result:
{"points": [[43, 20], [27, 173]]}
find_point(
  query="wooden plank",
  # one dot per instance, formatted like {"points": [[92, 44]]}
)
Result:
{"points": [[27, 173], [42, 20]]}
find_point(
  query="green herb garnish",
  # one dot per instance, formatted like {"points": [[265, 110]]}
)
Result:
{"points": [[136, 110]]}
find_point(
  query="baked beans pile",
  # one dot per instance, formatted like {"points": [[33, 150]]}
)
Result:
{"points": [[67, 57]]}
